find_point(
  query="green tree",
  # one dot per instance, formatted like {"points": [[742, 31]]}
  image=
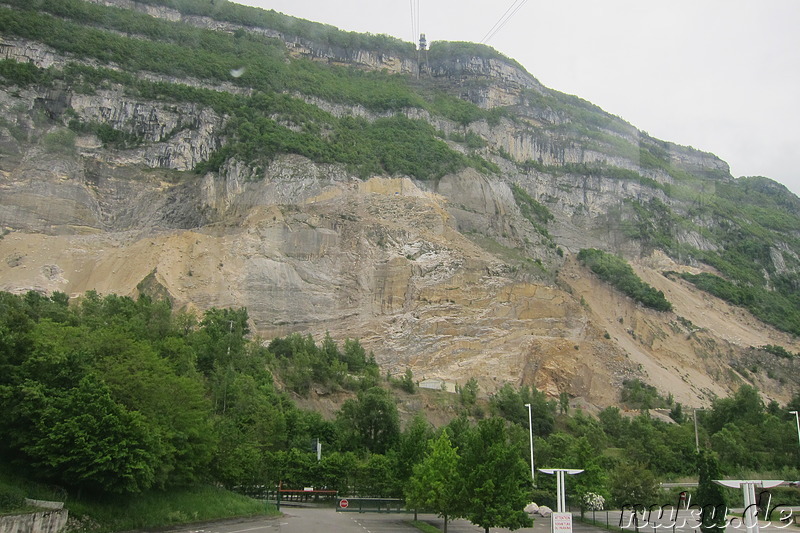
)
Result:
{"points": [[710, 496], [255, 421], [563, 402], [407, 382], [412, 446], [468, 394], [612, 422], [509, 403], [378, 476], [633, 484], [496, 478], [354, 355], [435, 484], [746, 406], [370, 422], [83, 438], [174, 407], [221, 340], [338, 471]]}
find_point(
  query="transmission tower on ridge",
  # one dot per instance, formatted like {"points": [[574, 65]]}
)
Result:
{"points": [[422, 53]]}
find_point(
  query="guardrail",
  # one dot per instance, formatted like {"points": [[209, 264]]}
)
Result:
{"points": [[371, 505]]}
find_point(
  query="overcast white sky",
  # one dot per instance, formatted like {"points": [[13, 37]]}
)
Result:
{"points": [[720, 75]]}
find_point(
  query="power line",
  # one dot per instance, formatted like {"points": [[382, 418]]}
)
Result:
{"points": [[418, 27], [414, 20], [503, 20], [508, 15]]}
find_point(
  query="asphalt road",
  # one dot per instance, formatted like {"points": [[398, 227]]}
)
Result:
{"points": [[326, 520]]}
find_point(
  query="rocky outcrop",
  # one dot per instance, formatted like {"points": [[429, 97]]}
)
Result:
{"points": [[445, 277], [173, 136], [24, 51], [308, 248]]}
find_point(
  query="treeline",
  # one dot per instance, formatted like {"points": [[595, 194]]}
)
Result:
{"points": [[618, 272], [314, 31], [110, 394], [115, 395], [180, 50], [263, 126]]}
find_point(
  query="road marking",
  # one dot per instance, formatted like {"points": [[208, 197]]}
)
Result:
{"points": [[250, 529]]}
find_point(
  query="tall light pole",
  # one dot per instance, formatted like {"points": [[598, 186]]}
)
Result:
{"points": [[530, 431], [797, 419]]}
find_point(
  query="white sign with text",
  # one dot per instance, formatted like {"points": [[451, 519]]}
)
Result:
{"points": [[561, 522]]}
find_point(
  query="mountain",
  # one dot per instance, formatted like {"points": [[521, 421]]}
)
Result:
{"points": [[431, 203]]}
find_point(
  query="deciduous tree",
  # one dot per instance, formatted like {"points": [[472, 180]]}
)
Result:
{"points": [[435, 484], [496, 478], [370, 421]]}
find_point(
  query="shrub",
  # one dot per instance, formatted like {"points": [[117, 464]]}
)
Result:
{"points": [[61, 140], [617, 272], [11, 498]]}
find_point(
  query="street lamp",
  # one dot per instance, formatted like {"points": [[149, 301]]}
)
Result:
{"points": [[561, 488], [797, 419], [530, 431]]}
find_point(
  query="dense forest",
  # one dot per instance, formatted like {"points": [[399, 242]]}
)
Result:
{"points": [[107, 394]]}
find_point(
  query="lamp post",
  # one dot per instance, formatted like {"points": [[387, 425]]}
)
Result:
{"points": [[797, 419], [561, 488], [530, 432], [749, 486]]}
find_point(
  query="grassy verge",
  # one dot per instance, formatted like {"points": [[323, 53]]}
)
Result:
{"points": [[21, 510], [425, 527], [156, 509], [149, 510]]}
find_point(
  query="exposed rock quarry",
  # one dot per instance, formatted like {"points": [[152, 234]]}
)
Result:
{"points": [[446, 278]]}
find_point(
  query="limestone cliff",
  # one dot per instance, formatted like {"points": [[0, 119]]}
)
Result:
{"points": [[449, 277]]}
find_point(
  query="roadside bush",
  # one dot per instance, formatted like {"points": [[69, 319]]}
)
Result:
{"points": [[11, 498]]}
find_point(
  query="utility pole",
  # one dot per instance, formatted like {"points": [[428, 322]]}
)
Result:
{"points": [[423, 49], [696, 436], [530, 432]]}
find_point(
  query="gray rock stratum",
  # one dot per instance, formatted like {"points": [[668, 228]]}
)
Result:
{"points": [[445, 277]]}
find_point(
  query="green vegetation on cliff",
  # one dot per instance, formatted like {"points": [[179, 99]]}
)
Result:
{"points": [[263, 124], [748, 232], [618, 273], [534, 212]]}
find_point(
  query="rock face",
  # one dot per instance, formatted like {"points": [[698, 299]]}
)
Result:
{"points": [[447, 278]]}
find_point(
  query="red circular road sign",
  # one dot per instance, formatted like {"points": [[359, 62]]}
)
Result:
{"points": [[343, 504]]}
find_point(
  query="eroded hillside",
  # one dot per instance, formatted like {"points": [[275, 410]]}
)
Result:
{"points": [[457, 270]]}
